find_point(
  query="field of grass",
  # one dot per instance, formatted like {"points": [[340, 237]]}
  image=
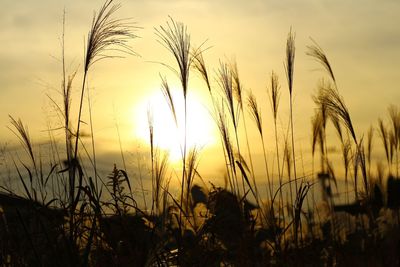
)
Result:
{"points": [[67, 214]]}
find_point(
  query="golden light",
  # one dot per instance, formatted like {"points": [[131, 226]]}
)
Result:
{"points": [[169, 135]]}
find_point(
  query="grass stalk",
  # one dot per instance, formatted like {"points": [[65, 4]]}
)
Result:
{"points": [[289, 68], [256, 115], [175, 38], [106, 34]]}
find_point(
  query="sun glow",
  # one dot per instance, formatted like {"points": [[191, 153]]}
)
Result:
{"points": [[170, 135]]}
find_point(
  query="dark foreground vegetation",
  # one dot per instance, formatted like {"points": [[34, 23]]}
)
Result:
{"points": [[67, 214]]}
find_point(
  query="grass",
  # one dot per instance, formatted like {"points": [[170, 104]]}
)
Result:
{"points": [[71, 215]]}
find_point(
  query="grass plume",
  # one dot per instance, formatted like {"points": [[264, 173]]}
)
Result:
{"points": [[336, 107], [255, 112], [175, 38], [316, 52]]}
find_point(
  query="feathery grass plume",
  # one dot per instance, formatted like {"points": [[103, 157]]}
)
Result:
{"points": [[166, 90], [318, 54], [23, 135], [335, 107], [255, 112], [200, 66], [289, 63], [237, 85], [225, 81], [106, 35], [324, 112], [237, 89], [275, 94], [175, 38]]}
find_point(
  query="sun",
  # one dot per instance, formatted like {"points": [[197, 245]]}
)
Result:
{"points": [[168, 134]]}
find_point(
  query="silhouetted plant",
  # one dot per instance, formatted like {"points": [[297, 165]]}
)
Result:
{"points": [[289, 68], [91, 224], [106, 34]]}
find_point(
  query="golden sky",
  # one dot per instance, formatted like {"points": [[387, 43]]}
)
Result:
{"points": [[361, 39]]}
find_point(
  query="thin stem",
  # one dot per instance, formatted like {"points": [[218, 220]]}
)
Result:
{"points": [[141, 180], [93, 145], [270, 184], [249, 155], [279, 171], [293, 150]]}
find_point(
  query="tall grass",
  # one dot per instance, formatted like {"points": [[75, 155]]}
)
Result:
{"points": [[256, 115], [289, 68], [106, 34], [394, 115], [99, 222], [175, 38]]}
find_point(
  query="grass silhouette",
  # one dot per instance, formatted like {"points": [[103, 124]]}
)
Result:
{"points": [[68, 215]]}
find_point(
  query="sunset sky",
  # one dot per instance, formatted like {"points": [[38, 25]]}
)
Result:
{"points": [[360, 38]]}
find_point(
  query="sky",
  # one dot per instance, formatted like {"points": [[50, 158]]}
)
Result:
{"points": [[360, 38]]}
